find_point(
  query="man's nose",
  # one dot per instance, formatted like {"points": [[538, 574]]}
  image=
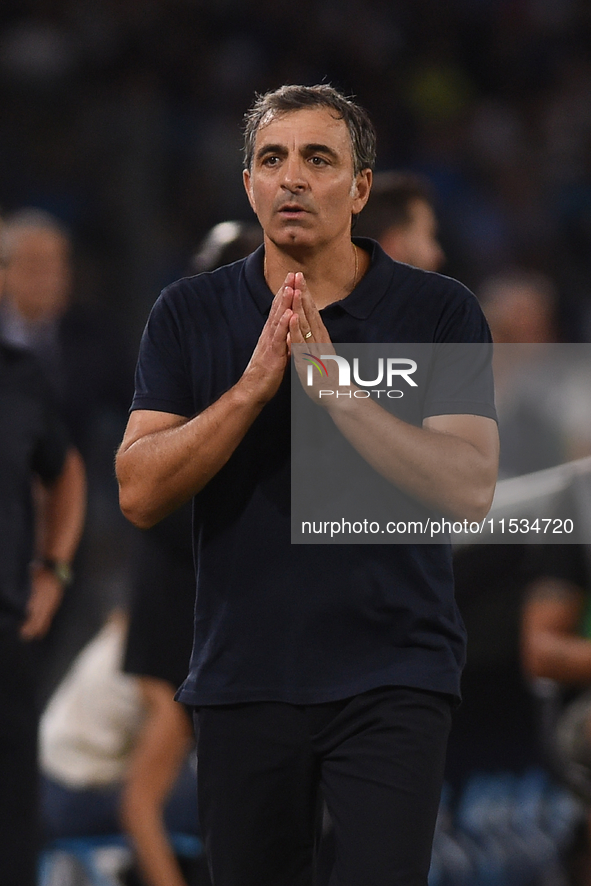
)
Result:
{"points": [[294, 178]]}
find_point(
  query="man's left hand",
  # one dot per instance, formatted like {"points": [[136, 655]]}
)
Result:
{"points": [[306, 328], [45, 598]]}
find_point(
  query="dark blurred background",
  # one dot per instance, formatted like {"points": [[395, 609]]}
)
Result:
{"points": [[123, 118]]}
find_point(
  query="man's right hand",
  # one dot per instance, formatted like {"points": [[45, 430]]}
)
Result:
{"points": [[270, 357], [165, 459]]}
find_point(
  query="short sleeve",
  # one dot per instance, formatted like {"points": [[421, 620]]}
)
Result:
{"points": [[462, 379], [464, 321], [161, 382]]}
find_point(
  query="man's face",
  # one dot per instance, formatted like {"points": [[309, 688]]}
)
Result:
{"points": [[416, 242], [38, 274], [520, 314], [301, 185]]}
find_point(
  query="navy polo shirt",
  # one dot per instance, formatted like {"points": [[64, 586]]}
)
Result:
{"points": [[300, 623]]}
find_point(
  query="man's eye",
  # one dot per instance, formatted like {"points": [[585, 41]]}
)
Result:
{"points": [[271, 161], [318, 161]]}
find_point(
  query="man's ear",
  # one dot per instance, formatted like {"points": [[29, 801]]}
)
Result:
{"points": [[248, 189], [360, 190]]}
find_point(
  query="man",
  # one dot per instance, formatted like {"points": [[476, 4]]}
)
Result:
{"points": [[33, 450], [69, 337], [401, 217], [311, 664]]}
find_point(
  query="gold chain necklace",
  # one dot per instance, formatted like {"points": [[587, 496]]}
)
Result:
{"points": [[356, 254]]}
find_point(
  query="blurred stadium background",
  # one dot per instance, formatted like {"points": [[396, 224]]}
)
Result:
{"points": [[123, 117]]}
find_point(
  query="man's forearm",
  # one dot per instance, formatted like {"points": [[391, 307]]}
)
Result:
{"points": [[164, 460], [161, 470], [60, 522], [63, 511], [440, 469], [449, 464]]}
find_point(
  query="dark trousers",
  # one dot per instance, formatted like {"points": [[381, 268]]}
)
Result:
{"points": [[377, 759], [19, 836]]}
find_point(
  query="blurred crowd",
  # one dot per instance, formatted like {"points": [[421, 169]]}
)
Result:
{"points": [[124, 119], [120, 144]]}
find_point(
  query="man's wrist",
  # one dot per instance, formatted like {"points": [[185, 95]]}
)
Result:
{"points": [[252, 390], [60, 569], [344, 400]]}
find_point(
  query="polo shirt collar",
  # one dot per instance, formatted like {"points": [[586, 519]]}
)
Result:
{"points": [[255, 280], [360, 303]]}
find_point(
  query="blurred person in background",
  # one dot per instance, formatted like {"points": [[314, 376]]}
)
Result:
{"points": [[69, 337], [520, 306], [114, 743], [556, 658], [542, 392], [400, 215], [82, 357], [556, 638], [42, 503], [225, 243], [497, 725], [36, 252], [115, 746], [98, 736]]}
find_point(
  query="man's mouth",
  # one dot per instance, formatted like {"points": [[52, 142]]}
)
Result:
{"points": [[292, 209]]}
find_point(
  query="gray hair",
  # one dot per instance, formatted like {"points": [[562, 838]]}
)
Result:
{"points": [[297, 98]]}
